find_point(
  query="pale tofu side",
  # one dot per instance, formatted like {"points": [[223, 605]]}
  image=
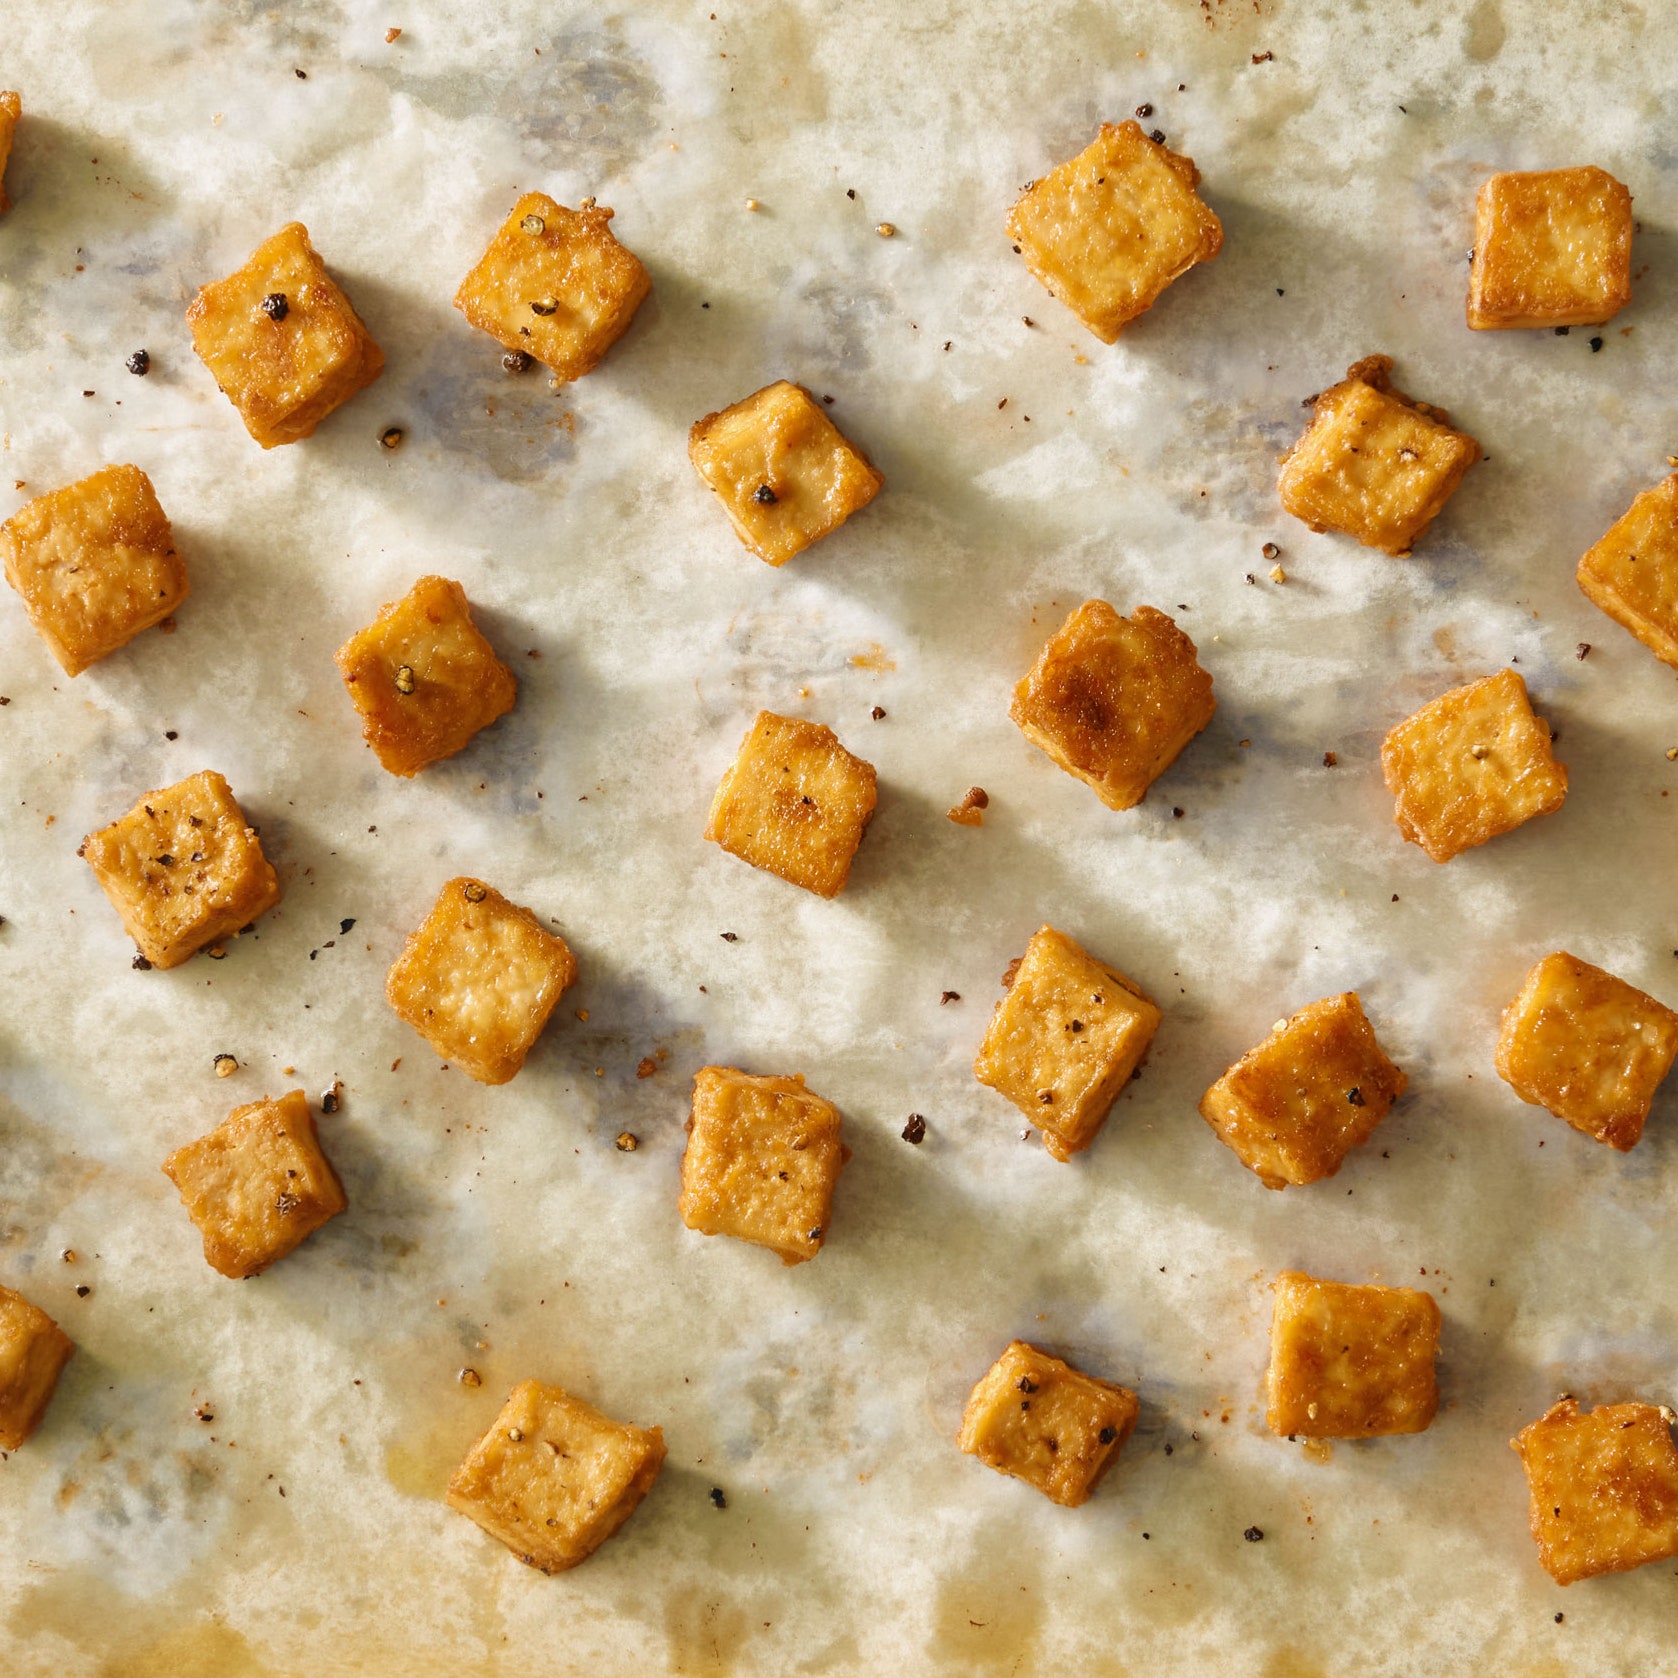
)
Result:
{"points": [[763, 1156], [478, 978], [1113, 700], [1373, 464], [1552, 247], [795, 803], [258, 1185], [1587, 1046], [11, 109], [553, 1478], [283, 365], [94, 563], [1315, 1088], [1065, 1039], [183, 868], [1632, 573], [1036, 1418], [1471, 765], [33, 1351], [424, 678], [1351, 1362], [555, 284], [783, 471], [1109, 230], [1603, 1487]]}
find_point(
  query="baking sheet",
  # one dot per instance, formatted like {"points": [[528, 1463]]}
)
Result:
{"points": [[302, 1530]]}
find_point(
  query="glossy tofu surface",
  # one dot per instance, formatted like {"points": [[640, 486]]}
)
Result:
{"points": [[33, 1352], [1632, 573], [11, 109]]}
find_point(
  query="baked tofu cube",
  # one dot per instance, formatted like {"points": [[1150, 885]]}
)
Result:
{"points": [[479, 978], [1472, 764], [94, 563], [1065, 1039], [183, 868], [555, 284], [11, 108], [794, 802], [785, 475], [762, 1158], [1632, 573], [1108, 231], [1373, 464], [33, 1349], [424, 678], [1552, 247], [1044, 1422], [1588, 1046], [1604, 1487], [257, 1185], [1315, 1088], [1114, 700], [1350, 1362], [553, 1479], [282, 340]]}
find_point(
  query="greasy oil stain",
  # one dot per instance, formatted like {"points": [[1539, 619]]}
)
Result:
{"points": [[875, 658], [1485, 35], [1287, 1662], [987, 1619], [706, 1635]]}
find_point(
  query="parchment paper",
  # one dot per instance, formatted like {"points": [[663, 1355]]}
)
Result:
{"points": [[301, 1531]]}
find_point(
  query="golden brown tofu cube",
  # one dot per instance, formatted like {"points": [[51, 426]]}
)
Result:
{"points": [[1588, 1046], [1604, 1487], [762, 1158], [1373, 464], [1065, 1039], [785, 475], [555, 284], [1552, 247], [424, 678], [94, 563], [1472, 764], [33, 1350], [1114, 700], [478, 979], [258, 1185], [1350, 1362], [183, 868], [281, 339], [1632, 573], [1109, 230], [553, 1479], [794, 802], [1314, 1089], [1044, 1422], [11, 108]]}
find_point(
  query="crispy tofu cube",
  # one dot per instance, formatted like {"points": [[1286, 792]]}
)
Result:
{"points": [[1114, 700], [183, 868], [1350, 1362], [258, 1185], [95, 563], [794, 802], [1588, 1046], [479, 978], [1373, 464], [553, 1479], [785, 475], [1472, 764], [1109, 230], [555, 284], [1632, 573], [281, 339], [1604, 1487], [1065, 1039], [1315, 1088], [1552, 247], [424, 678], [762, 1158], [33, 1350], [11, 108], [1044, 1422]]}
